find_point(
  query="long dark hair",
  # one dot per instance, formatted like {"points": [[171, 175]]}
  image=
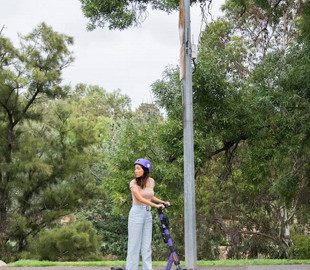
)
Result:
{"points": [[141, 181]]}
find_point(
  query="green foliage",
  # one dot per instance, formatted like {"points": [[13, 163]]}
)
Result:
{"points": [[251, 110], [251, 115], [75, 242], [301, 249], [168, 93], [265, 25], [135, 138], [94, 101], [126, 13], [305, 20], [143, 135], [47, 149], [111, 226]]}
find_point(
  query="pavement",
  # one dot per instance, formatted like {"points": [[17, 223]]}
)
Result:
{"points": [[245, 267]]}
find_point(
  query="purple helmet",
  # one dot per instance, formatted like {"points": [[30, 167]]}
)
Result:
{"points": [[145, 163]]}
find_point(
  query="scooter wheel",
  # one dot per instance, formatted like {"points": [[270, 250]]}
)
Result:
{"points": [[118, 268]]}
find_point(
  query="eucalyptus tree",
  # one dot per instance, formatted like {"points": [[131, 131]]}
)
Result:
{"points": [[250, 134], [265, 25], [125, 14]]}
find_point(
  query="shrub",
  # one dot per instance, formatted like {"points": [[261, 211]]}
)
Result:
{"points": [[112, 226], [78, 241], [301, 248]]}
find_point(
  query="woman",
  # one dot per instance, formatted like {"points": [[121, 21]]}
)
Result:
{"points": [[140, 217]]}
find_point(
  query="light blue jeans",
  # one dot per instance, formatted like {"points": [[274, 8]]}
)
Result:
{"points": [[139, 237]]}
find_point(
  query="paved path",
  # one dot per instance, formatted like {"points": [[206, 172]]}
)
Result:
{"points": [[255, 267]]}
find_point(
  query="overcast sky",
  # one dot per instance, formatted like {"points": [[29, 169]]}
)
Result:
{"points": [[129, 60]]}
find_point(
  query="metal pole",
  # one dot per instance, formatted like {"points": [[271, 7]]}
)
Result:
{"points": [[188, 137]]}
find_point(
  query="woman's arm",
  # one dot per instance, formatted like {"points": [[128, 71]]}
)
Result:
{"points": [[155, 199]]}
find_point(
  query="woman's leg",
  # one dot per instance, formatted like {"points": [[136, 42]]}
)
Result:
{"points": [[146, 249], [135, 229]]}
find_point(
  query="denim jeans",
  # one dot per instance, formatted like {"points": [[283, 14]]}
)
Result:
{"points": [[139, 237]]}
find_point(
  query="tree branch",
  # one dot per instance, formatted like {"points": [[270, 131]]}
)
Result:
{"points": [[2, 28], [260, 234], [27, 107]]}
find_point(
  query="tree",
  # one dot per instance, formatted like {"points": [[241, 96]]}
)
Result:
{"points": [[265, 25], [46, 152], [124, 14], [107, 110], [250, 136], [142, 135], [94, 101]]}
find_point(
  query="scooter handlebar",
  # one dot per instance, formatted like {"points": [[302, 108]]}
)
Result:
{"points": [[166, 206]]}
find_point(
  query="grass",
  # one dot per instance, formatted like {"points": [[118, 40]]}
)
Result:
{"points": [[35, 263], [251, 262]]}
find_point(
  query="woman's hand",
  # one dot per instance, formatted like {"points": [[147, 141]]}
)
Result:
{"points": [[167, 203], [162, 206]]}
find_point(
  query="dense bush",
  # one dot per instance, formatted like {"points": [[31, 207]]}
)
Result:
{"points": [[110, 225], [78, 241], [114, 232], [301, 248]]}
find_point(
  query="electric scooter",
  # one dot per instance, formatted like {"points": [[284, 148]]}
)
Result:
{"points": [[167, 239]]}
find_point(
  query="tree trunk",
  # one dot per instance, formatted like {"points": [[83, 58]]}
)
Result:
{"points": [[4, 191], [3, 212], [232, 233], [284, 236]]}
